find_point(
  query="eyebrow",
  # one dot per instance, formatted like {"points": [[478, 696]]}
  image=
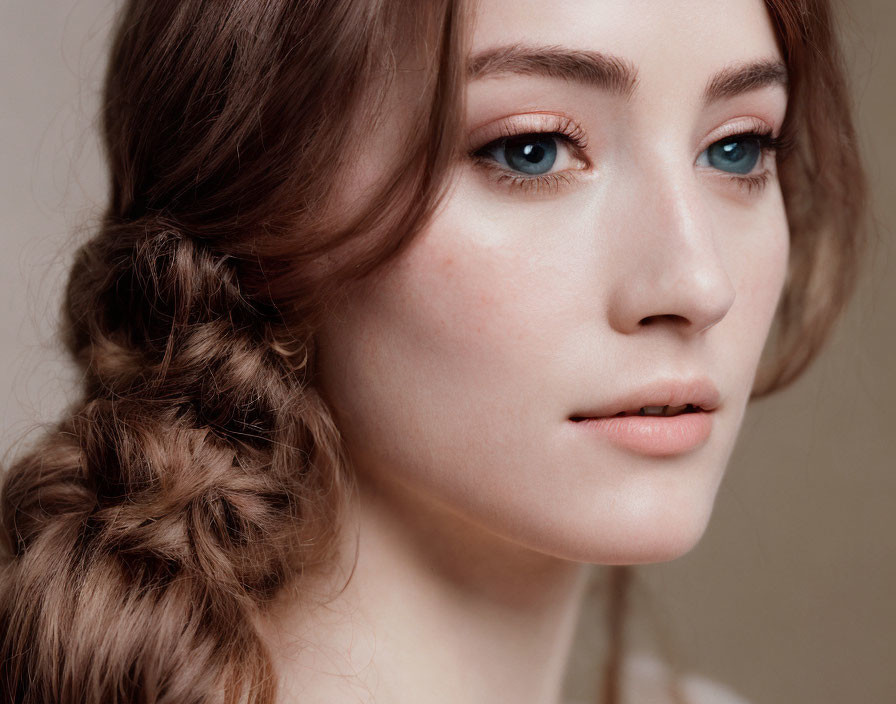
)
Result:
{"points": [[743, 78], [590, 67], [612, 73]]}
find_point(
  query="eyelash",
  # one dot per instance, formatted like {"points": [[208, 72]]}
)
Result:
{"points": [[768, 146], [561, 128], [567, 131]]}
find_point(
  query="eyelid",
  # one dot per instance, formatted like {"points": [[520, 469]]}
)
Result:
{"points": [[529, 123], [744, 125]]}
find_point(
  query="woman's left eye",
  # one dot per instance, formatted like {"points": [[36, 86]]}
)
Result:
{"points": [[738, 154]]}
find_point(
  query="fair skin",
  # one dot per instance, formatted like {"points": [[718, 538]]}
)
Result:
{"points": [[630, 268]]}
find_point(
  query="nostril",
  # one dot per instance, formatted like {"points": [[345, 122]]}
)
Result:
{"points": [[667, 317], [685, 304]]}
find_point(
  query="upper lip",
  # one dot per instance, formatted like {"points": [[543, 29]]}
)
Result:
{"points": [[668, 392]]}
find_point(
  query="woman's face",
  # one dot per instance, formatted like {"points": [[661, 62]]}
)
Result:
{"points": [[609, 244]]}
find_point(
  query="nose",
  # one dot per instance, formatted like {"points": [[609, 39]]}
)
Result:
{"points": [[669, 269]]}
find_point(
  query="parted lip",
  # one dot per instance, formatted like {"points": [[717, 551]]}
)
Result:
{"points": [[665, 392]]}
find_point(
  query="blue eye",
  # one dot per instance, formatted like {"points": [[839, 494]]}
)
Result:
{"points": [[738, 154], [532, 154]]}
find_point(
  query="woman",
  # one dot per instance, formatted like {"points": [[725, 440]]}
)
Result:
{"points": [[400, 316]]}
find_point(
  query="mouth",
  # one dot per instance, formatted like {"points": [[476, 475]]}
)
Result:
{"points": [[666, 411], [664, 398], [651, 430]]}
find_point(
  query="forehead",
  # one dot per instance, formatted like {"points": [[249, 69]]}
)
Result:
{"points": [[686, 40]]}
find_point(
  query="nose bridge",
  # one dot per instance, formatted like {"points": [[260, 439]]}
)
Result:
{"points": [[674, 273]]}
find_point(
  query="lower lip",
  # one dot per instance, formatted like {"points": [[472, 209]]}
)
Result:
{"points": [[656, 436]]}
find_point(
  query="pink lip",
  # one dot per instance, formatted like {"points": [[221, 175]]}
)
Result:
{"points": [[669, 392], [655, 436]]}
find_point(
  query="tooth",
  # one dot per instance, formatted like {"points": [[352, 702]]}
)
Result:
{"points": [[652, 410], [665, 410]]}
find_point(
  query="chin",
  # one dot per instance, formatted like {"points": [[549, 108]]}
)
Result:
{"points": [[652, 546], [666, 528], [649, 528], [644, 544]]}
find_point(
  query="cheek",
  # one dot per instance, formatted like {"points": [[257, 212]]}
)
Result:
{"points": [[435, 355], [463, 316], [758, 263]]}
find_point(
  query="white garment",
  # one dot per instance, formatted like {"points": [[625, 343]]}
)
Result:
{"points": [[644, 680]]}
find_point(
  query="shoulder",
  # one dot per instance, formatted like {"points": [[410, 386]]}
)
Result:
{"points": [[645, 679]]}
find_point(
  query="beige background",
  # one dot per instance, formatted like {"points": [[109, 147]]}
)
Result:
{"points": [[789, 598]]}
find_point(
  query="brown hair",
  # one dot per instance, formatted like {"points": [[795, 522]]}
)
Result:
{"points": [[824, 187], [200, 472]]}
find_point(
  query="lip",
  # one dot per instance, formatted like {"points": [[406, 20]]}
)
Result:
{"points": [[668, 392], [655, 436]]}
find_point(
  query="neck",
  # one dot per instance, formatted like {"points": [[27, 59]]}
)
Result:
{"points": [[435, 610]]}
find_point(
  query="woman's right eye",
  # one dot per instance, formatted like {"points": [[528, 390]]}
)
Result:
{"points": [[533, 161], [531, 154]]}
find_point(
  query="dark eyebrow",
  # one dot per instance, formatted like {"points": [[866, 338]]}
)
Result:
{"points": [[613, 73], [589, 67], [745, 77]]}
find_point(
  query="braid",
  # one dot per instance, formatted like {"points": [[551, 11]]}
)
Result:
{"points": [[180, 494], [201, 472]]}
